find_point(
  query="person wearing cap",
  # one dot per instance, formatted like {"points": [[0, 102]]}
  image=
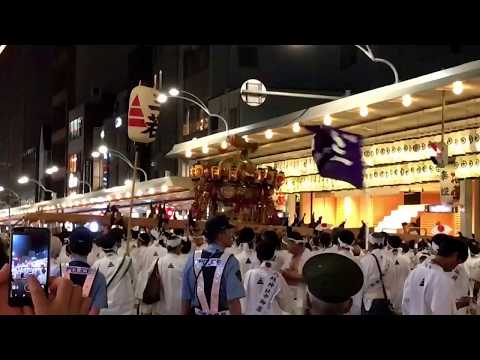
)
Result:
{"points": [[267, 292], [429, 288], [246, 255], [332, 280], [119, 274], [378, 273], [212, 281], [170, 269], [78, 270], [292, 269], [401, 263]]}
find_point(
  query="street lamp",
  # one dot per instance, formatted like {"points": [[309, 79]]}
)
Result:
{"points": [[25, 179], [73, 182], [175, 93], [51, 170], [103, 149]]}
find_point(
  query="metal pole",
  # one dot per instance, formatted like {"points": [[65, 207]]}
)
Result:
{"points": [[443, 116], [129, 227], [289, 94]]}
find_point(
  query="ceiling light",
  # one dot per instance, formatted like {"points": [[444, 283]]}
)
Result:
{"points": [[188, 153], [457, 87], [118, 122], [224, 144], [151, 191], [363, 111], [205, 149], [327, 120], [406, 100], [296, 127], [269, 134]]}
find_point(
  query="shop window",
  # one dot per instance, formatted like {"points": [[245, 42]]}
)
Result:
{"points": [[73, 163], [75, 128]]}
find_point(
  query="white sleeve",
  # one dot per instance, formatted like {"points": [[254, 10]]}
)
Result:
{"points": [[443, 296], [285, 296]]}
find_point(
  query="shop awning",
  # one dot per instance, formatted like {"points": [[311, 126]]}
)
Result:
{"points": [[387, 120]]}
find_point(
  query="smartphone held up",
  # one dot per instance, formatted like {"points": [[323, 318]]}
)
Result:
{"points": [[29, 256]]}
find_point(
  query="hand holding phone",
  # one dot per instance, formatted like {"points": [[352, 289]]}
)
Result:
{"points": [[58, 302], [29, 256]]}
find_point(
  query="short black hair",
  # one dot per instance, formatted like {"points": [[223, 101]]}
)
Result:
{"points": [[474, 246], [272, 237], [394, 241], [334, 236], [246, 235], [295, 235], [179, 232], [450, 246], [144, 238], [325, 239], [346, 236], [265, 250], [439, 238], [186, 246]]}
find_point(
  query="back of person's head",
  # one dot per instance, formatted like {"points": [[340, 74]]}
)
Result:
{"points": [[377, 240], [135, 234], [174, 243], [81, 241], [265, 250], [394, 241], [246, 235], [111, 239], [334, 236], [215, 226], [186, 246], [473, 246], [325, 239], [451, 246], [439, 238], [118, 233], [55, 247], [179, 232], [411, 244], [346, 237], [144, 239], [271, 236]]}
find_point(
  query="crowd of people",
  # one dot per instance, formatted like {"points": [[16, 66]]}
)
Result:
{"points": [[217, 271]]}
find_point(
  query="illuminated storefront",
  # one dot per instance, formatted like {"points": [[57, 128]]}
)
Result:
{"points": [[396, 151]]}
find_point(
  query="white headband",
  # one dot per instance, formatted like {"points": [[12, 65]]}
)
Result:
{"points": [[376, 240], [344, 245], [302, 241], [174, 242]]}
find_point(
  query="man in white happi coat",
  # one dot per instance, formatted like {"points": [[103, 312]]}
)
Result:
{"points": [[267, 292], [430, 288], [170, 268], [119, 274], [292, 269]]}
